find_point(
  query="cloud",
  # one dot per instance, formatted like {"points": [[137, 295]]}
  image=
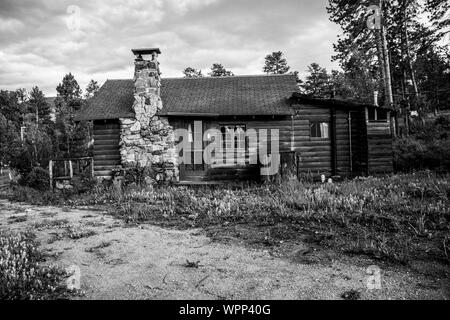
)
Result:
{"points": [[41, 40]]}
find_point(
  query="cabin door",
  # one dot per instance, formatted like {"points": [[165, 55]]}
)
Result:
{"points": [[358, 148], [194, 167]]}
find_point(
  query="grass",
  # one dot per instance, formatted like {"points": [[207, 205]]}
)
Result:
{"points": [[17, 219], [394, 218], [51, 223], [22, 273]]}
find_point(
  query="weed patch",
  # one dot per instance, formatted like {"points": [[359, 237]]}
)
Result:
{"points": [[22, 273]]}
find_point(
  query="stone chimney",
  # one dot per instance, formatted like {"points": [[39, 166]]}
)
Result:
{"points": [[147, 140]]}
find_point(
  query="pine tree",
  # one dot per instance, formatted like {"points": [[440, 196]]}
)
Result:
{"points": [[275, 63], [218, 70], [39, 105], [91, 89], [190, 72], [68, 102], [317, 82], [69, 88]]}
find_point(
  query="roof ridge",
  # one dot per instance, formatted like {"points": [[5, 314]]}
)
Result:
{"points": [[232, 77], [224, 77]]}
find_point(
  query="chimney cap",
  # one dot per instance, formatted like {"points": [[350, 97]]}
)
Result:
{"points": [[139, 52]]}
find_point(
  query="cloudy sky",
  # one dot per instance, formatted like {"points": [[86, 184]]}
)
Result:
{"points": [[42, 40]]}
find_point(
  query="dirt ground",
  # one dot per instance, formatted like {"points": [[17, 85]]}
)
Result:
{"points": [[147, 262]]}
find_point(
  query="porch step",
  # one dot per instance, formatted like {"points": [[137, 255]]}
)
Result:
{"points": [[200, 183]]}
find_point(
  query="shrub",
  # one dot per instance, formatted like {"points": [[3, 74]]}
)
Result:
{"points": [[428, 147], [22, 276], [83, 184], [38, 179]]}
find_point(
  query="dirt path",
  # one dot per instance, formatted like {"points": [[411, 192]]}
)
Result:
{"points": [[147, 262]]}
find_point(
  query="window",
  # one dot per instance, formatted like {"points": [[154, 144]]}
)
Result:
{"points": [[319, 130], [190, 134], [377, 114], [234, 141], [382, 115]]}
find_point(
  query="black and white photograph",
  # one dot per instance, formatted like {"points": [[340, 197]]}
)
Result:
{"points": [[229, 155]]}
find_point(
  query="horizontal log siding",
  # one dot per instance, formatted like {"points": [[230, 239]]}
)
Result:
{"points": [[106, 147], [342, 143], [379, 141], [315, 155]]}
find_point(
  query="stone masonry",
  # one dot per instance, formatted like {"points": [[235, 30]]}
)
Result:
{"points": [[147, 140]]}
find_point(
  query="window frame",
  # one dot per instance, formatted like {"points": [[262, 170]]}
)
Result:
{"points": [[235, 125], [318, 130]]}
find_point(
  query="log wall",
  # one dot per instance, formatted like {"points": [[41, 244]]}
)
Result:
{"points": [[379, 141], [106, 147]]}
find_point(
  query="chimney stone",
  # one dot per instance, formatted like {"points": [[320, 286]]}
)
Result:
{"points": [[147, 141]]}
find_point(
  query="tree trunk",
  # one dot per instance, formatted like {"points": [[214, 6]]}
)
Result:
{"points": [[387, 66], [382, 62], [409, 60], [383, 55]]}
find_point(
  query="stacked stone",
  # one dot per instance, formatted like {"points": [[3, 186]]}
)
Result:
{"points": [[147, 141]]}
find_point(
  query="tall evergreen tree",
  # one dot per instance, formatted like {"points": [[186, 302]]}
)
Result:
{"points": [[275, 63], [39, 105], [317, 81], [91, 89], [361, 50], [69, 89], [72, 135]]}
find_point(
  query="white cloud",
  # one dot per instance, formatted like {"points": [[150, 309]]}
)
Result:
{"points": [[38, 47]]}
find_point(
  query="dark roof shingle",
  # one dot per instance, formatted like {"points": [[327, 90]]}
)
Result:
{"points": [[238, 95]]}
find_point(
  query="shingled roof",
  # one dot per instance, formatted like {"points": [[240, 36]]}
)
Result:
{"points": [[238, 95]]}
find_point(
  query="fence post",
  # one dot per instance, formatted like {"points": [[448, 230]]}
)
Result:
{"points": [[70, 169], [50, 171]]}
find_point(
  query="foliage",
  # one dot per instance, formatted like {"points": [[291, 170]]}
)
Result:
{"points": [[275, 63], [72, 140], [317, 82], [428, 147], [417, 60], [37, 178], [35, 150], [9, 139], [28, 137], [373, 216], [39, 105], [10, 107], [69, 89], [190, 72], [91, 89], [218, 70], [22, 274], [370, 216], [29, 195]]}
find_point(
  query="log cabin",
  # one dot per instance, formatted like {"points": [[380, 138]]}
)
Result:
{"points": [[137, 123]]}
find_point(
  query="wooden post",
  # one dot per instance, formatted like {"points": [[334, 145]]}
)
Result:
{"points": [[292, 134], [333, 141], [50, 171], [92, 167], [350, 141], [70, 169]]}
